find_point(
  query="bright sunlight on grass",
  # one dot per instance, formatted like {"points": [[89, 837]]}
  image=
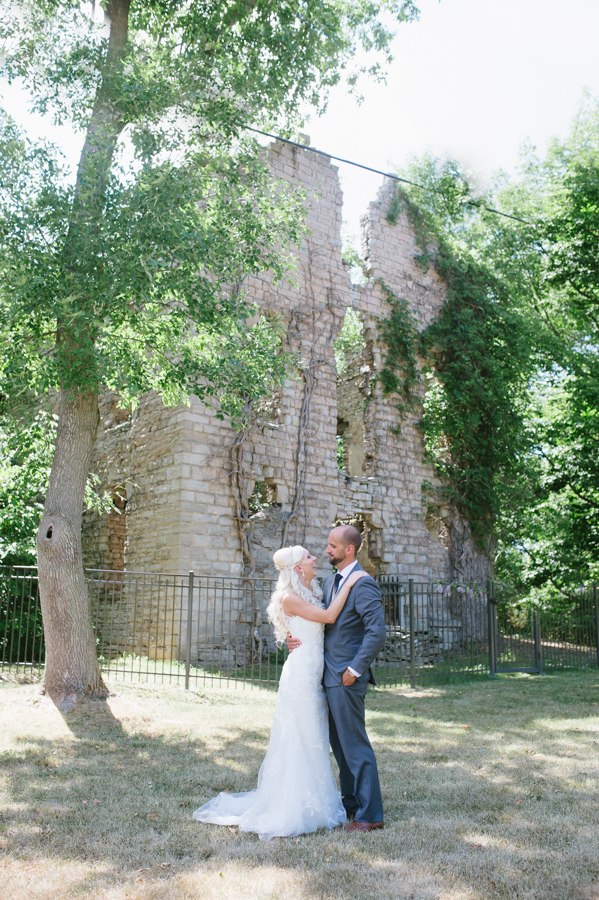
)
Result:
{"points": [[491, 791]]}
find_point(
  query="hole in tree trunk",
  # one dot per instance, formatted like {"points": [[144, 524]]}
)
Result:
{"points": [[49, 533]]}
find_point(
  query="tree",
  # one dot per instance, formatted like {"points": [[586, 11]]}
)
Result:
{"points": [[477, 359], [26, 457], [25, 462], [555, 547], [542, 258], [132, 277]]}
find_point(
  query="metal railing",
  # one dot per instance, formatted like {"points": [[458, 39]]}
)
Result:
{"points": [[196, 629], [527, 637], [435, 631], [183, 628], [21, 629]]}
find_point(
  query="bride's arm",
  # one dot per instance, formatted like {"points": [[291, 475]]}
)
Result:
{"points": [[295, 606], [334, 610]]}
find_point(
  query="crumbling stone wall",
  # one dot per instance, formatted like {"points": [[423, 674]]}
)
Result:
{"points": [[138, 457], [190, 482]]}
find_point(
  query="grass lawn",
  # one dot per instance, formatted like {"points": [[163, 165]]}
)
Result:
{"points": [[490, 790]]}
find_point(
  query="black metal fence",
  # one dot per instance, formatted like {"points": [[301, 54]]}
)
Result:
{"points": [[434, 631], [21, 629], [527, 637], [196, 629], [183, 628]]}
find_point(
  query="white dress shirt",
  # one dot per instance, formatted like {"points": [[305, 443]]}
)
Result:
{"points": [[345, 573]]}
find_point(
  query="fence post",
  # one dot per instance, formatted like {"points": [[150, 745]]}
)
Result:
{"points": [[412, 655], [189, 622], [7, 618], [537, 629], [491, 630], [596, 619]]}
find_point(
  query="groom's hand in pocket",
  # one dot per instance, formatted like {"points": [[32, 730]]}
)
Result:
{"points": [[348, 679], [292, 643]]}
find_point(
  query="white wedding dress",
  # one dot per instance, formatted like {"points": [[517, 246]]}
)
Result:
{"points": [[296, 791]]}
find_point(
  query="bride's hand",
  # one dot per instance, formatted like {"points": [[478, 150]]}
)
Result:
{"points": [[355, 576]]}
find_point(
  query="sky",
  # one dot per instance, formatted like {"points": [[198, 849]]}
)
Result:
{"points": [[472, 79]]}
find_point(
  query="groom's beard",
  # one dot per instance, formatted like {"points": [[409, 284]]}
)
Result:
{"points": [[335, 560]]}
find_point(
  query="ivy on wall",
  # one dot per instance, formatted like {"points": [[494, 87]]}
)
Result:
{"points": [[475, 359], [400, 372]]}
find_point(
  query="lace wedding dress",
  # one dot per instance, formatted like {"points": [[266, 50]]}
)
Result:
{"points": [[296, 791]]}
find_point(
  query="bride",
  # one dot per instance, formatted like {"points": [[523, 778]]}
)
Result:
{"points": [[296, 792]]}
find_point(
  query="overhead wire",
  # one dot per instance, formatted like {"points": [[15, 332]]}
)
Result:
{"points": [[350, 162]]}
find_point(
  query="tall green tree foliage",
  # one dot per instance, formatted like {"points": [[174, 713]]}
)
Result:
{"points": [[512, 412], [26, 457], [476, 354], [555, 546], [132, 276]]}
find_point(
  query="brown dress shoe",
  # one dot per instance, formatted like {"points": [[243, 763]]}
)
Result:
{"points": [[364, 826]]}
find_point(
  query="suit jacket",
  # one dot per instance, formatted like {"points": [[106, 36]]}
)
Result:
{"points": [[359, 633]]}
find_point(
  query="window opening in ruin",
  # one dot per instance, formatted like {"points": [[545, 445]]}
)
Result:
{"points": [[263, 496], [350, 420], [117, 533], [342, 465], [349, 357], [350, 341], [354, 262], [340, 453], [105, 532], [107, 535]]}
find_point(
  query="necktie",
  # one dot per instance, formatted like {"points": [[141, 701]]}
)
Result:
{"points": [[336, 583]]}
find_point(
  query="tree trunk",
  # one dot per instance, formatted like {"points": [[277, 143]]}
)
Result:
{"points": [[468, 562], [72, 672]]}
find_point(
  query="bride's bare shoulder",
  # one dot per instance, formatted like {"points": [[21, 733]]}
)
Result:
{"points": [[291, 598]]}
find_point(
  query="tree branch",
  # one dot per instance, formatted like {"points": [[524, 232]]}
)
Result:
{"points": [[106, 122], [568, 481], [542, 312], [584, 499], [590, 298]]}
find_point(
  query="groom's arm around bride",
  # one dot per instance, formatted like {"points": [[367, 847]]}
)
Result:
{"points": [[358, 635]]}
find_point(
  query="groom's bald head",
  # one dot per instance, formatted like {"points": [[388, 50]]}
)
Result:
{"points": [[347, 534], [343, 546]]}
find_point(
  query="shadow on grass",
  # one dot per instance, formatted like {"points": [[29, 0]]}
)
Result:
{"points": [[476, 790], [121, 798]]}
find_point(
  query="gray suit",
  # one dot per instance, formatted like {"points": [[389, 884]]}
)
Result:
{"points": [[354, 640]]}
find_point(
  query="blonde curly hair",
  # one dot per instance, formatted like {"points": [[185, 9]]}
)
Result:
{"points": [[285, 560]]}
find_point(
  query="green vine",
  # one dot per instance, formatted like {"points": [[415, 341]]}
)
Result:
{"points": [[400, 373], [395, 208], [422, 230], [475, 363]]}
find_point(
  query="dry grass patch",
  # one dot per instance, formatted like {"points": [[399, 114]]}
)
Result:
{"points": [[491, 791]]}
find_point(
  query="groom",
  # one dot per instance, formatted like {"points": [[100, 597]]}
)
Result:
{"points": [[350, 645]]}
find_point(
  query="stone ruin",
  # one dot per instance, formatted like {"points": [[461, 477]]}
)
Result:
{"points": [[195, 495]]}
